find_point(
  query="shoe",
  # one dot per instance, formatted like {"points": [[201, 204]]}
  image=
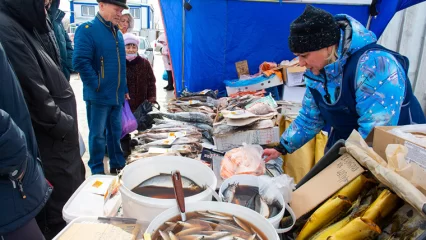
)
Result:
{"points": [[170, 88], [115, 171], [166, 87]]}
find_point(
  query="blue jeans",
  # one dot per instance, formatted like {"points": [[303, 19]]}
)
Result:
{"points": [[101, 118]]}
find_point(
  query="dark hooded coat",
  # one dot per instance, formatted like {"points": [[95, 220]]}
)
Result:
{"points": [[49, 97]]}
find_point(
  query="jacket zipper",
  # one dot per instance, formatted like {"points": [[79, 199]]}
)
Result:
{"points": [[119, 65], [20, 184], [102, 67]]}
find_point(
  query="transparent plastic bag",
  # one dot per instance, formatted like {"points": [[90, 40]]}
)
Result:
{"points": [[244, 160], [269, 187]]}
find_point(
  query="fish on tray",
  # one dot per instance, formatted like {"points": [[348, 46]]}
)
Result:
{"points": [[165, 123], [250, 197], [208, 225], [195, 117], [169, 142], [161, 186], [165, 135], [205, 93]]}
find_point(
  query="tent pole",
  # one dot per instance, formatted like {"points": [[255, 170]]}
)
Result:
{"points": [[183, 44]]}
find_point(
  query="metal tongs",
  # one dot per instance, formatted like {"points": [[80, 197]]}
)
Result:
{"points": [[179, 194]]}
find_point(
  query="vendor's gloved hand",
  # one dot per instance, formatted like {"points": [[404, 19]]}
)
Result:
{"points": [[274, 153]]}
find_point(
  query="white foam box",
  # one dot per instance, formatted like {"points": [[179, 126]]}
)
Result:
{"points": [[267, 83], [235, 140], [88, 199], [294, 94]]}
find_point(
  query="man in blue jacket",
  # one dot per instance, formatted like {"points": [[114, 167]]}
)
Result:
{"points": [[23, 188], [100, 58]]}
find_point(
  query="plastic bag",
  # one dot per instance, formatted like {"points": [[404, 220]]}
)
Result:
{"points": [[128, 121], [244, 160], [165, 76], [144, 120], [269, 187]]}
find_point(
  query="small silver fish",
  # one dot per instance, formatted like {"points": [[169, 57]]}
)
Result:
{"points": [[195, 117], [229, 192], [261, 206], [165, 180]]}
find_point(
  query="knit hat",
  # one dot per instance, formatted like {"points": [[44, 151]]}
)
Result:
{"points": [[315, 29], [130, 38], [120, 3]]}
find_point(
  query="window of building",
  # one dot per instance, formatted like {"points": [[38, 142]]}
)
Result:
{"points": [[88, 11], [136, 13]]}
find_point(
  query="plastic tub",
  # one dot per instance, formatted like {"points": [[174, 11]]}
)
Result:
{"points": [[241, 212], [144, 226], [146, 208], [85, 202], [250, 180]]}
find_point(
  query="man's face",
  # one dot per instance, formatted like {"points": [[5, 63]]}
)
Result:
{"points": [[110, 12]]}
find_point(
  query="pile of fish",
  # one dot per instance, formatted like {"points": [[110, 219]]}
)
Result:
{"points": [[208, 225], [161, 186], [250, 197], [247, 112]]}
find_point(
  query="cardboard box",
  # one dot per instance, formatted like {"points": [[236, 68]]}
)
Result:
{"points": [[234, 140], [272, 81], [323, 185], [381, 138], [293, 75], [293, 94]]}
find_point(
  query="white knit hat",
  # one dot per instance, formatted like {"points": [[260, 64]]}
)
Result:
{"points": [[130, 38]]}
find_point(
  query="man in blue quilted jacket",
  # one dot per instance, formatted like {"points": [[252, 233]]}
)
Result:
{"points": [[100, 58]]}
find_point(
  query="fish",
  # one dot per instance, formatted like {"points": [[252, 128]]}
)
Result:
{"points": [[161, 123], [165, 180], [206, 93], [229, 192], [223, 129], [208, 225], [173, 129], [261, 108], [261, 206], [170, 142], [165, 135], [195, 117]]}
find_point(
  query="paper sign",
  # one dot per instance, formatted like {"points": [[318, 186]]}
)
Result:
{"points": [[416, 154], [207, 156], [177, 134], [242, 68], [323, 185]]}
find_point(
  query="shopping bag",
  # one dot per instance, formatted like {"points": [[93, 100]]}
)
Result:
{"points": [[128, 121]]}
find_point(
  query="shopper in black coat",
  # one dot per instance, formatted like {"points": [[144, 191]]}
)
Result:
{"points": [[50, 100]]}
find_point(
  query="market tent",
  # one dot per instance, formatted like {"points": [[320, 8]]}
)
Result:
{"points": [[219, 33]]}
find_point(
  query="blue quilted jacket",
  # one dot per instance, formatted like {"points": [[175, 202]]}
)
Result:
{"points": [[100, 59]]}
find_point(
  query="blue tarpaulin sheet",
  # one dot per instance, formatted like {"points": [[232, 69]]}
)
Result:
{"points": [[219, 33]]}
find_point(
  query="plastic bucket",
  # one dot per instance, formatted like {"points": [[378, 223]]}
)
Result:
{"points": [[250, 180], [241, 212], [146, 208]]}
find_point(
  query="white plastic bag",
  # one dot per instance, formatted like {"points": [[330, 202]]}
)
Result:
{"points": [[243, 160], [270, 187]]}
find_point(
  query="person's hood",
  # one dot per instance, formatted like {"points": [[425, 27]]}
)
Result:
{"points": [[355, 35], [29, 13], [131, 20], [54, 7]]}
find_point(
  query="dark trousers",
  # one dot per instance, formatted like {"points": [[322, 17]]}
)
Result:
{"points": [[30, 231], [169, 79]]}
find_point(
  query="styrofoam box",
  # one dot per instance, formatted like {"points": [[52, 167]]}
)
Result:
{"points": [[84, 202], [144, 226]]}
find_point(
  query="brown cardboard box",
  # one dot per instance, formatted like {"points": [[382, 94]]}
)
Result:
{"points": [[323, 185], [381, 138]]}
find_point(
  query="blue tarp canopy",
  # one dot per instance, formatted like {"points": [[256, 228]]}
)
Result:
{"points": [[219, 33]]}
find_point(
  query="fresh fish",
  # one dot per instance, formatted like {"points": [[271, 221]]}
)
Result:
{"points": [[261, 108], [223, 129], [164, 235], [165, 180], [190, 231], [160, 136], [261, 206], [215, 216], [173, 129], [241, 224], [188, 117], [229, 192], [251, 203], [207, 93], [161, 123], [172, 236]]}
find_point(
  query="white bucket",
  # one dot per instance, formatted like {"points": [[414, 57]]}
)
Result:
{"points": [[241, 212], [250, 180], [146, 208]]}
